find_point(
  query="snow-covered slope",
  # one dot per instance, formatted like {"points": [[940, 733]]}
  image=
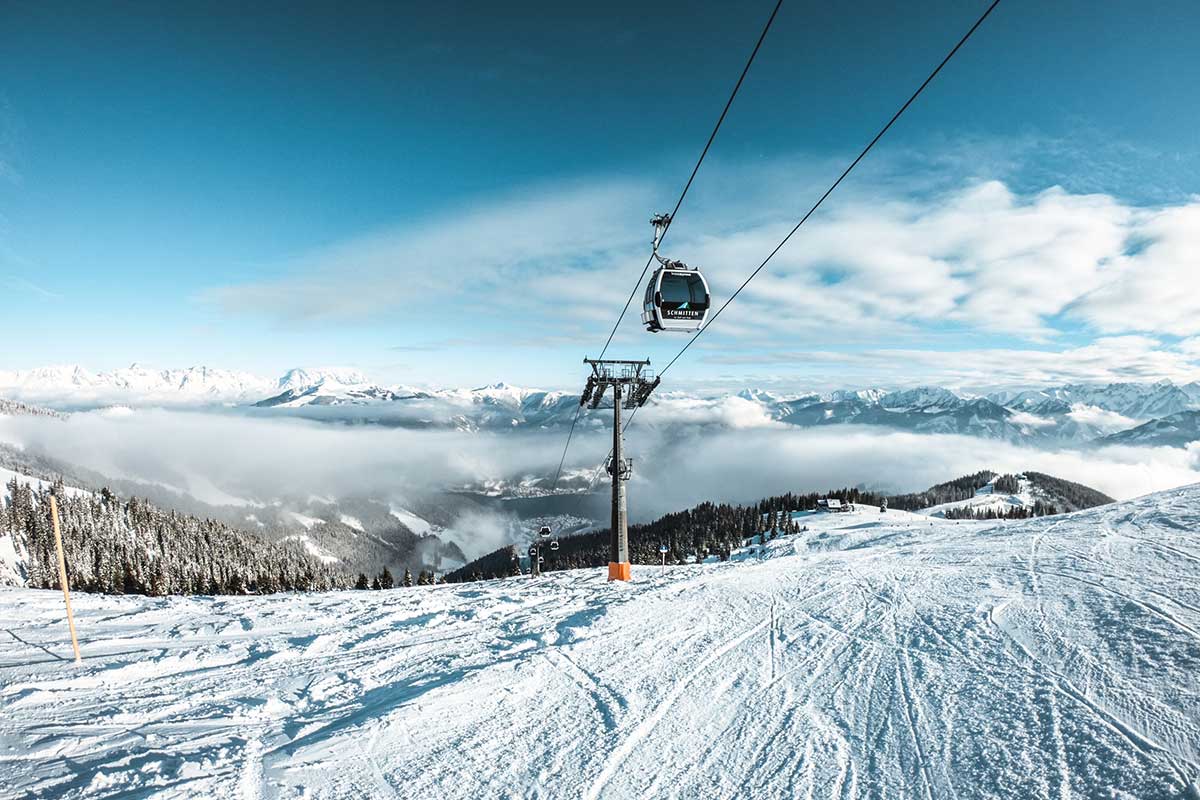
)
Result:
{"points": [[875, 655], [989, 499], [1035, 494]]}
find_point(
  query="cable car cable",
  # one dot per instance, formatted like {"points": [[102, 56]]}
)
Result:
{"points": [[671, 217], [570, 433], [638, 283], [953, 51], [829, 191]]}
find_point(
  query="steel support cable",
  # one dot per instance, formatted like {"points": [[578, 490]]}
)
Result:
{"points": [[953, 51], [830, 190], [703, 153], [570, 433], [671, 218]]}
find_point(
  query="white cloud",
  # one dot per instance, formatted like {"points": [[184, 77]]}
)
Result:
{"points": [[981, 257], [1101, 419], [256, 460], [727, 412], [746, 465], [1106, 360], [1031, 420], [20, 285], [1190, 347], [872, 269], [260, 459], [482, 531], [1157, 287], [483, 260]]}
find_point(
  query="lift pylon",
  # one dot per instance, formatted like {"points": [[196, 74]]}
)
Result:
{"points": [[631, 384]]}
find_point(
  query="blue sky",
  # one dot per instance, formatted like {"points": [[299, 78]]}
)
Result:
{"points": [[458, 194]]}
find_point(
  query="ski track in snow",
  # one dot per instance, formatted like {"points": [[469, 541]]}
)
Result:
{"points": [[873, 656]]}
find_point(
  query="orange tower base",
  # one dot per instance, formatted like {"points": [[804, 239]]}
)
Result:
{"points": [[618, 571]]}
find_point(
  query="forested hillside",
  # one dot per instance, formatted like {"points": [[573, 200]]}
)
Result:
{"points": [[949, 492], [132, 547], [1070, 496], [375, 539], [717, 529]]}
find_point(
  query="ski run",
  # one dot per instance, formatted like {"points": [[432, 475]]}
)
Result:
{"points": [[870, 656]]}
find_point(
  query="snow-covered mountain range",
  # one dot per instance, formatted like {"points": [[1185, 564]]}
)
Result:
{"points": [[73, 386], [1072, 413], [1140, 401], [1173, 430]]}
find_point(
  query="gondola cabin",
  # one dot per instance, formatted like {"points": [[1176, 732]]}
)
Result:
{"points": [[675, 300]]}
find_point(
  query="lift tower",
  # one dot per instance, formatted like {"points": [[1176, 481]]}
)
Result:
{"points": [[631, 384]]}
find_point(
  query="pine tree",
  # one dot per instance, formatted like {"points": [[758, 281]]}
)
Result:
{"points": [[362, 582], [158, 583], [408, 580]]}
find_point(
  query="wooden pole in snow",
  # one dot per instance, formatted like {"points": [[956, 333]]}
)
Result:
{"points": [[62, 577]]}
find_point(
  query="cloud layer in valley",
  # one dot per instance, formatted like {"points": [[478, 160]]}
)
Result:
{"points": [[234, 459]]}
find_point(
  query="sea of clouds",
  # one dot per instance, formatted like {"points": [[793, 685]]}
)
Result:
{"points": [[232, 459]]}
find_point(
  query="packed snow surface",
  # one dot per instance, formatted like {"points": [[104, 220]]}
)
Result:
{"points": [[871, 656]]}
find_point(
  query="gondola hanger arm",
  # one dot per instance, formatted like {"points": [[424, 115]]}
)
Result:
{"points": [[661, 222]]}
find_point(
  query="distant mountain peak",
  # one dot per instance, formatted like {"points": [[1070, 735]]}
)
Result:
{"points": [[921, 398], [299, 378], [71, 384], [1075, 413], [1173, 430]]}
